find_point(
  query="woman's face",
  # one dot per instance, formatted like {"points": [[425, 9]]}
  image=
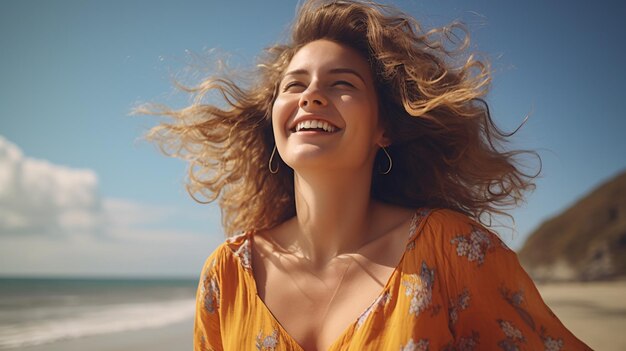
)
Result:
{"points": [[325, 115]]}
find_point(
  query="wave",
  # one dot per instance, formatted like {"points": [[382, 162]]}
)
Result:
{"points": [[103, 320]]}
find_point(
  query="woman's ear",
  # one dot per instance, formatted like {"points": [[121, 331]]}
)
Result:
{"points": [[384, 140]]}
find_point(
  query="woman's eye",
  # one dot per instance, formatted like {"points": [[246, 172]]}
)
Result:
{"points": [[344, 83], [292, 85]]}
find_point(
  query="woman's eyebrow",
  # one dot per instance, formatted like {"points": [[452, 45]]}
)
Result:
{"points": [[332, 71], [347, 70]]}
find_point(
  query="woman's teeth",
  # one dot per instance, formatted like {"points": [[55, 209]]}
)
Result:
{"points": [[315, 125]]}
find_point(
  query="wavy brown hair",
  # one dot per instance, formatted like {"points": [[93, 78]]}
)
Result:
{"points": [[446, 150]]}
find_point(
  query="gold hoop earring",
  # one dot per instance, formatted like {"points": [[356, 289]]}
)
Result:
{"points": [[269, 164], [390, 161]]}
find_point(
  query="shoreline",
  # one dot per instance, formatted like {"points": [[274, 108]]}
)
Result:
{"points": [[176, 336]]}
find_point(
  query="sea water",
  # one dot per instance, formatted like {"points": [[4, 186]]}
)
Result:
{"points": [[37, 311]]}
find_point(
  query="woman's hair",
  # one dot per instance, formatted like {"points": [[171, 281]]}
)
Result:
{"points": [[445, 147]]}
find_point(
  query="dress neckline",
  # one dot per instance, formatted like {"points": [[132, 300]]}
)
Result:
{"points": [[415, 227]]}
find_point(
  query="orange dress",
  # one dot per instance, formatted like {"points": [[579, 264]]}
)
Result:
{"points": [[457, 287]]}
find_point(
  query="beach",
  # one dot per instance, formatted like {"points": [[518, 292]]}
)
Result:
{"points": [[96, 314], [595, 312]]}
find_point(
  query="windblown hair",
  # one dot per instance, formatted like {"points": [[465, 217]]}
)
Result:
{"points": [[446, 150]]}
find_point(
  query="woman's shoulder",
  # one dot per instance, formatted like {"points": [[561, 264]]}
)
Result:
{"points": [[449, 220], [438, 220], [236, 247], [448, 227], [446, 221]]}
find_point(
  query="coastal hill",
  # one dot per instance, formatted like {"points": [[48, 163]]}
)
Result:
{"points": [[585, 242]]}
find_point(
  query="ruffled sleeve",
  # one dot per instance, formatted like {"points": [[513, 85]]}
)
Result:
{"points": [[207, 334], [492, 302]]}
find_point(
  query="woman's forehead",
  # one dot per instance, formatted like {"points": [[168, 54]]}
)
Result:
{"points": [[328, 57]]}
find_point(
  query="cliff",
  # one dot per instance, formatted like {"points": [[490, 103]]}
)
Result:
{"points": [[587, 241]]}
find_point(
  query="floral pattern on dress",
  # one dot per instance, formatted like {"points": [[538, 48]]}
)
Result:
{"points": [[473, 245], [420, 345], [516, 299], [420, 289], [459, 304], [550, 343], [513, 336], [410, 245], [466, 343], [210, 291], [419, 215], [267, 342], [380, 302], [244, 254], [233, 239], [417, 218]]}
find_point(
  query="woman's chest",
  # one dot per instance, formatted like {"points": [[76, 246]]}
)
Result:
{"points": [[317, 310]]}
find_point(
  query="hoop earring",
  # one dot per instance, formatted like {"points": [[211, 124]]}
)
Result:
{"points": [[269, 164], [390, 161]]}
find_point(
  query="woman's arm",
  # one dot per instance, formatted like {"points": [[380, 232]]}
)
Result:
{"points": [[207, 334]]}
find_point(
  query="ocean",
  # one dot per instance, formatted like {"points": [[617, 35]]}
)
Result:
{"points": [[37, 311]]}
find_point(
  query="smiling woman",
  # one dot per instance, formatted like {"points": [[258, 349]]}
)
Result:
{"points": [[359, 165]]}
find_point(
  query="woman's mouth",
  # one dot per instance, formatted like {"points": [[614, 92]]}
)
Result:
{"points": [[314, 126]]}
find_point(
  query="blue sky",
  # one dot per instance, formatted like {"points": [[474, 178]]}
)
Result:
{"points": [[71, 71]]}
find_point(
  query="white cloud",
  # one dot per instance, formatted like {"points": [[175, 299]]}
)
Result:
{"points": [[53, 221], [40, 198]]}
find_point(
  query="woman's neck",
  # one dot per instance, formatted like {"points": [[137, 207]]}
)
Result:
{"points": [[334, 213]]}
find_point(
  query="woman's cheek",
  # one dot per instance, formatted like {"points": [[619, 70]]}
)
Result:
{"points": [[280, 114]]}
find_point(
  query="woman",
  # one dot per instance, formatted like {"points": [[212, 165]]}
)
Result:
{"points": [[359, 163]]}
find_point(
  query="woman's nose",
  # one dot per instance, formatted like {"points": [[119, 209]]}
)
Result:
{"points": [[312, 96]]}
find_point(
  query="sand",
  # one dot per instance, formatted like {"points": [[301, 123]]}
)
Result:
{"points": [[594, 312]]}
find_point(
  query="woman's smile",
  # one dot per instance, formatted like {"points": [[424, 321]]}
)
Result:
{"points": [[313, 123], [315, 126]]}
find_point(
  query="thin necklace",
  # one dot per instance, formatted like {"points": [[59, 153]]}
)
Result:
{"points": [[332, 298], [318, 277]]}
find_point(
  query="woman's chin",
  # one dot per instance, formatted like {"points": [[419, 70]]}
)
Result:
{"points": [[312, 159]]}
